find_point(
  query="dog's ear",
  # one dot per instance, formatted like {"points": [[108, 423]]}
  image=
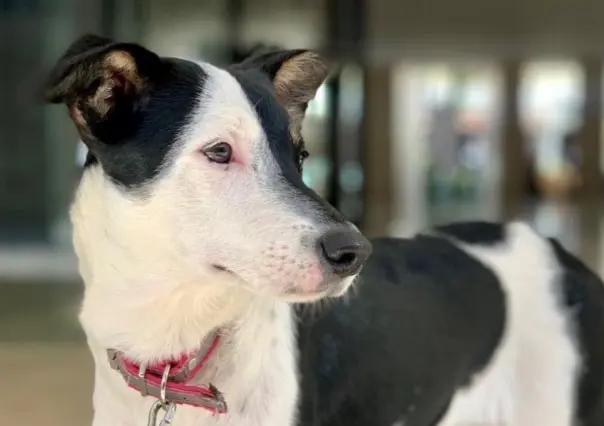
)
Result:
{"points": [[296, 76], [104, 84]]}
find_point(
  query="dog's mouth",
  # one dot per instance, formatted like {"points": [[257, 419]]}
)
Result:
{"points": [[330, 288]]}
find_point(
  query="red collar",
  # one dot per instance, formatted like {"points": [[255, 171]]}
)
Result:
{"points": [[148, 379]]}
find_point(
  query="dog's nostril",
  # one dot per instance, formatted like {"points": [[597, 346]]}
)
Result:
{"points": [[346, 258], [340, 258], [345, 251]]}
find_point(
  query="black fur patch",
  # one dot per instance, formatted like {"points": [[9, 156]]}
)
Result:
{"points": [[424, 320], [135, 160], [583, 293]]}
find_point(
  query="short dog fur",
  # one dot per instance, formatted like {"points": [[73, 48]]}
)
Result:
{"points": [[191, 215]]}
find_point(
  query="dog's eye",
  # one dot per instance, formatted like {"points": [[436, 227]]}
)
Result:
{"points": [[220, 152]]}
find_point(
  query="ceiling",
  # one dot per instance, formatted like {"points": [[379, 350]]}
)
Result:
{"points": [[485, 27]]}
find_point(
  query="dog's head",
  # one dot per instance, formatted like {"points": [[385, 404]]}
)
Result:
{"points": [[202, 166]]}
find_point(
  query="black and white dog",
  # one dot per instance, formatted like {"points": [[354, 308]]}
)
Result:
{"points": [[197, 239]]}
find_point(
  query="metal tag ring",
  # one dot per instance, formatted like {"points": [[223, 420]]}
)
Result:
{"points": [[164, 384]]}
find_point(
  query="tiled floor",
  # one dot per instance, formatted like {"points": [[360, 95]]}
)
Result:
{"points": [[45, 383], [45, 368]]}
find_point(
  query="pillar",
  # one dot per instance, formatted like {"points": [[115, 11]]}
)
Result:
{"points": [[589, 206], [377, 151], [514, 160], [591, 132]]}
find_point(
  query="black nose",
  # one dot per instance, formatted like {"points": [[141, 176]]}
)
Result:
{"points": [[345, 251]]}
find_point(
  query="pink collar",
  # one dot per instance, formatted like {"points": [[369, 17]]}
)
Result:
{"points": [[166, 380]]}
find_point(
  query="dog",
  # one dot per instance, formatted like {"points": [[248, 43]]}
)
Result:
{"points": [[221, 290]]}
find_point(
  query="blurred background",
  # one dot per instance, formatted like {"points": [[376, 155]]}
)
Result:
{"points": [[441, 111]]}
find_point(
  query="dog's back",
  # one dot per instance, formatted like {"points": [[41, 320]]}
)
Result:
{"points": [[476, 323]]}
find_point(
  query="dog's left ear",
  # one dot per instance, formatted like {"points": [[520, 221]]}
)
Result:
{"points": [[296, 76]]}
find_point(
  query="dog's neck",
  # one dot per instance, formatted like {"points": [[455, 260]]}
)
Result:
{"points": [[254, 365], [161, 326]]}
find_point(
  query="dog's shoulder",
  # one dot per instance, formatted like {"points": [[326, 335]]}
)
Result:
{"points": [[423, 311]]}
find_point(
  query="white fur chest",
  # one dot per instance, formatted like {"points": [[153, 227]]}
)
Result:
{"points": [[254, 367]]}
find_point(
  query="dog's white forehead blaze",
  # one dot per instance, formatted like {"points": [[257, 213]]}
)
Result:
{"points": [[225, 113]]}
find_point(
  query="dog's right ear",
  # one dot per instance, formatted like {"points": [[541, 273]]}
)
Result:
{"points": [[104, 84]]}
